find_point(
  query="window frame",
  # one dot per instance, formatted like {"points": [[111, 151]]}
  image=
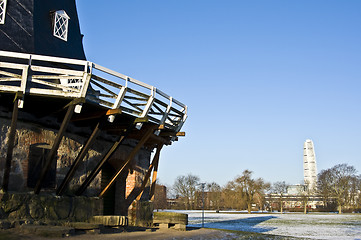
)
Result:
{"points": [[61, 18], [3, 11]]}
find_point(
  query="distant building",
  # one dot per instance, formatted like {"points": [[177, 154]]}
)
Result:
{"points": [[295, 189], [299, 195], [309, 164]]}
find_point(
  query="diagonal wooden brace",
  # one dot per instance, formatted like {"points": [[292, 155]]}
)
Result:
{"points": [[154, 164], [140, 144], [155, 171], [54, 149], [11, 139], [98, 168], [110, 152], [78, 159]]}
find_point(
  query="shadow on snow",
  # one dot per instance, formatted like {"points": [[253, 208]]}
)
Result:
{"points": [[243, 224]]}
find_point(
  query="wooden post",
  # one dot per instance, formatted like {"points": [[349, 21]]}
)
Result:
{"points": [[11, 139], [54, 148], [97, 169], [78, 159], [147, 175], [155, 171], [129, 158]]}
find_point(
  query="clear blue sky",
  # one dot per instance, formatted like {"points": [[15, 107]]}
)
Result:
{"points": [[259, 78]]}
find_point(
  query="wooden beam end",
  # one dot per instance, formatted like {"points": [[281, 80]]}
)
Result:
{"points": [[141, 120], [180, 134], [113, 112]]}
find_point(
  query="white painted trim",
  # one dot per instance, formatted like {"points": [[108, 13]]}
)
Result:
{"points": [[101, 89], [62, 19], [2, 18]]}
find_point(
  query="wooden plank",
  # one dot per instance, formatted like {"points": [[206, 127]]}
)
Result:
{"points": [[163, 94], [131, 104], [116, 74], [12, 65], [59, 60], [55, 85], [56, 70], [86, 80], [155, 172], [135, 92], [137, 98], [146, 110], [54, 149], [160, 102], [54, 77], [161, 111], [120, 98], [103, 88], [100, 101], [107, 96], [177, 111], [128, 159], [99, 166], [11, 142], [9, 89], [9, 79], [131, 111], [10, 74], [103, 80], [42, 58], [49, 92], [77, 161], [14, 54]]}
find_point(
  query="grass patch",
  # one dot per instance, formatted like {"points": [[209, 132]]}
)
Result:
{"points": [[257, 236]]}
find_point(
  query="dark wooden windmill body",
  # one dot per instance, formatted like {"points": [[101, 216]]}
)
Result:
{"points": [[76, 128]]}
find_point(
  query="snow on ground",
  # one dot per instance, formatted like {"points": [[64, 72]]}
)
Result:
{"points": [[313, 225]]}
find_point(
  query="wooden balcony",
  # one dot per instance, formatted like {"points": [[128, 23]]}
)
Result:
{"points": [[45, 77]]}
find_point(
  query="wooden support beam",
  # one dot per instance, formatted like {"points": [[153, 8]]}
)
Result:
{"points": [[54, 149], [113, 112], [140, 144], [155, 172], [11, 140], [137, 193], [99, 166], [160, 139], [78, 159]]}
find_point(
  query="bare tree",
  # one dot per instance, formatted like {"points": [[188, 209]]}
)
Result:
{"points": [[214, 195], [232, 196], [185, 187], [250, 187], [340, 181], [280, 188], [324, 181]]}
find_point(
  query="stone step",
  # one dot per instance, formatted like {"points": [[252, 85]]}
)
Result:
{"points": [[110, 221], [170, 217]]}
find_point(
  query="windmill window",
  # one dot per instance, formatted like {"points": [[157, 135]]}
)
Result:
{"points": [[2, 11], [61, 22]]}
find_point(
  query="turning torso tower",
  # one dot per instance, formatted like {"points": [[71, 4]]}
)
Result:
{"points": [[309, 164]]}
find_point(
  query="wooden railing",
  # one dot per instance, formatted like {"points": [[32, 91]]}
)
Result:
{"points": [[71, 78]]}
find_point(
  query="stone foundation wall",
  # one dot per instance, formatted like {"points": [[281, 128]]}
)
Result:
{"points": [[28, 134], [141, 214], [25, 206]]}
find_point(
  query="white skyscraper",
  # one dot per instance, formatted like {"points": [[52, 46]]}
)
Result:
{"points": [[309, 164]]}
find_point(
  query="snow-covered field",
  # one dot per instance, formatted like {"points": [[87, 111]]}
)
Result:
{"points": [[314, 225]]}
